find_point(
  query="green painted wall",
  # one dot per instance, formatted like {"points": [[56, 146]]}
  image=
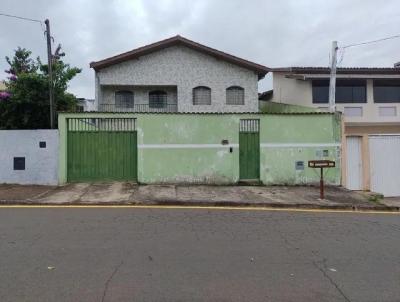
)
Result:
{"points": [[273, 107], [284, 139]]}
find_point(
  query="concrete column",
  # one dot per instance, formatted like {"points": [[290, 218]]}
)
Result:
{"points": [[365, 162], [343, 159]]}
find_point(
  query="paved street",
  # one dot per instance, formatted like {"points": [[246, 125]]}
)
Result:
{"points": [[137, 254]]}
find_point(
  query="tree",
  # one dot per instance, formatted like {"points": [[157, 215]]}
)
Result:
{"points": [[25, 104], [21, 62]]}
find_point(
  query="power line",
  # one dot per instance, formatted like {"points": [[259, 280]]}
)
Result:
{"points": [[23, 18], [373, 41], [343, 48]]}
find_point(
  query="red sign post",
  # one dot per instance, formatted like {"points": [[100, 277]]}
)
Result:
{"points": [[321, 164]]}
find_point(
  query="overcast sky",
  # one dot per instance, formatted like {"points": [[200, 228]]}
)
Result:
{"points": [[272, 33]]}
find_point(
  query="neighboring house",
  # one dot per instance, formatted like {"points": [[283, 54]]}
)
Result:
{"points": [[85, 105], [177, 75], [370, 101]]}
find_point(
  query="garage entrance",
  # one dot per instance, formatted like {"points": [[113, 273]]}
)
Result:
{"points": [[101, 149], [385, 164]]}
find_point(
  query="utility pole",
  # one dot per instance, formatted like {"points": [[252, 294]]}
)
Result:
{"points": [[50, 71], [332, 80]]}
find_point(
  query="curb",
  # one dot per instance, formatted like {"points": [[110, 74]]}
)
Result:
{"points": [[231, 204]]}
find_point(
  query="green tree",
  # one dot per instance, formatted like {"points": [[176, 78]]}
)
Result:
{"points": [[25, 104], [21, 62]]}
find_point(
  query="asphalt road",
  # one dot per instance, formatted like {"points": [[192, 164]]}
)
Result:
{"points": [[133, 254]]}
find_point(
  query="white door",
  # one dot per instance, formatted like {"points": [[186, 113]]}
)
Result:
{"points": [[354, 163], [385, 164]]}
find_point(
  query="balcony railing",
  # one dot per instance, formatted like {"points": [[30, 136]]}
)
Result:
{"points": [[138, 108]]}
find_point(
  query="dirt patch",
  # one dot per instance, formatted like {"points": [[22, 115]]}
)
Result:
{"points": [[22, 192]]}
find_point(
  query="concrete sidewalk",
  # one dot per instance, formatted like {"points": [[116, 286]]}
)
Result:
{"points": [[200, 195]]}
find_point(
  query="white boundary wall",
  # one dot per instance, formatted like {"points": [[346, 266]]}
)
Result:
{"points": [[41, 164]]}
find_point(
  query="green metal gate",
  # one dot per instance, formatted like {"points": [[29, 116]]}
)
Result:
{"points": [[249, 150], [101, 149]]}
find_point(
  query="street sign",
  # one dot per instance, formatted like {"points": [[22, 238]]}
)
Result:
{"points": [[321, 164]]}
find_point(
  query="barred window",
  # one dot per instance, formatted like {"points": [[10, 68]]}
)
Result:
{"points": [[124, 99], [201, 95], [235, 95], [157, 99]]}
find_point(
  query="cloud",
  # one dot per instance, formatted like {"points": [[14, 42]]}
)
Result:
{"points": [[271, 33]]}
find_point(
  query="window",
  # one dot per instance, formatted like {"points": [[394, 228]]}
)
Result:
{"points": [[387, 91], [124, 99], [235, 95], [201, 95], [157, 99], [347, 91], [42, 144]]}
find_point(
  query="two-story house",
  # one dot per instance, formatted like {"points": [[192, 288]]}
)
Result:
{"points": [[177, 75], [369, 98]]}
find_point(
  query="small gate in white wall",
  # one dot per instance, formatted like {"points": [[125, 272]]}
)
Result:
{"points": [[354, 163], [385, 164]]}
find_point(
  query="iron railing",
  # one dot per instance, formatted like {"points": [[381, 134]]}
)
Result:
{"points": [[138, 108], [249, 125], [101, 124]]}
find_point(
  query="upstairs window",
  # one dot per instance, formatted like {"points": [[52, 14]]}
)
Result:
{"points": [[157, 99], [320, 91], [201, 95], [347, 91], [235, 95], [387, 91], [124, 99]]}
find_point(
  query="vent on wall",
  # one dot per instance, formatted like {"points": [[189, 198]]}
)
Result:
{"points": [[299, 165], [19, 163]]}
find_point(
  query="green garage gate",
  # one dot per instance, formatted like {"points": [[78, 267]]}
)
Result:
{"points": [[101, 149]]}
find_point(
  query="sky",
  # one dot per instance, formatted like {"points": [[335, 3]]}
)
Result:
{"points": [[271, 33]]}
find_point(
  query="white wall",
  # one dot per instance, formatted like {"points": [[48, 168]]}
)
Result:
{"points": [[41, 164], [291, 91], [185, 68]]}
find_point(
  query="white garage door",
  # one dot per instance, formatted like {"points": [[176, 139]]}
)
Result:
{"points": [[385, 164], [354, 164]]}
